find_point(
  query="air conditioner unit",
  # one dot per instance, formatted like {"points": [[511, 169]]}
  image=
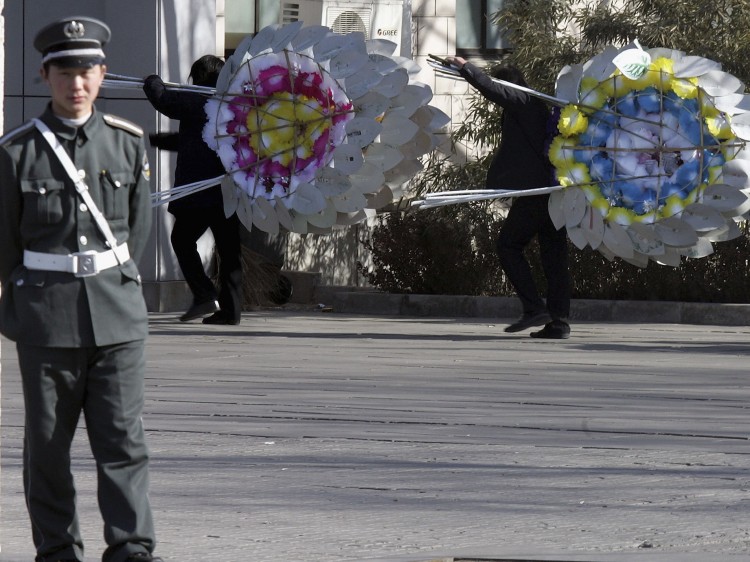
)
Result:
{"points": [[377, 19]]}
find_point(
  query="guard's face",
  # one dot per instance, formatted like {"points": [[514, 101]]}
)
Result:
{"points": [[73, 89]]}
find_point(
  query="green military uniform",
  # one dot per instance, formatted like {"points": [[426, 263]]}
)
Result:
{"points": [[41, 211], [80, 339]]}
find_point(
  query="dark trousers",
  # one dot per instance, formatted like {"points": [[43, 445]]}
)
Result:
{"points": [[189, 226], [529, 217], [106, 384]]}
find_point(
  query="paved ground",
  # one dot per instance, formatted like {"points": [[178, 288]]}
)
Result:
{"points": [[306, 436]]}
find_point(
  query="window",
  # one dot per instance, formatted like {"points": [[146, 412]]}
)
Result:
{"points": [[475, 32], [245, 17]]}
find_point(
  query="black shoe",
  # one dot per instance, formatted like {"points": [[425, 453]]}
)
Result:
{"points": [[529, 320], [555, 330], [220, 318], [143, 557], [200, 309]]}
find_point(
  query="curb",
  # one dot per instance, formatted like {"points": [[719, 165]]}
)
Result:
{"points": [[357, 301]]}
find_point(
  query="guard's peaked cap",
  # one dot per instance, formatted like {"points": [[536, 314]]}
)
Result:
{"points": [[73, 41]]}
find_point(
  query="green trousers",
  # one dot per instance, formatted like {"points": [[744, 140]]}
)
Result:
{"points": [[106, 384]]}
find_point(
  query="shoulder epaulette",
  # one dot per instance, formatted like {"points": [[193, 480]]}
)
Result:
{"points": [[124, 124], [13, 133]]}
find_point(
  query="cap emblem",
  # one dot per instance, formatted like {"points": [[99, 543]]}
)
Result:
{"points": [[74, 30]]}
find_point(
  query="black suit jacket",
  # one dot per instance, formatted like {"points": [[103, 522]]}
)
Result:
{"points": [[195, 159], [521, 161]]}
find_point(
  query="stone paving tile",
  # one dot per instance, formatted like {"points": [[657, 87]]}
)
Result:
{"points": [[299, 436]]}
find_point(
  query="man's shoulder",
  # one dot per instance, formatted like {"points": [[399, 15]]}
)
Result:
{"points": [[123, 124], [17, 133]]}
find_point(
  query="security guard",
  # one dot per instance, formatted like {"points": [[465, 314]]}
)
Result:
{"points": [[75, 217]]}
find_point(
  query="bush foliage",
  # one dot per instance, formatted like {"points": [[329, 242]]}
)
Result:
{"points": [[451, 250]]}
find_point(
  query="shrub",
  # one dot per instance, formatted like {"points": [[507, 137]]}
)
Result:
{"points": [[451, 249]]}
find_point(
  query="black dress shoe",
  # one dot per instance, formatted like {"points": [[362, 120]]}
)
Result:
{"points": [[200, 309], [220, 318], [529, 320], [555, 330]]}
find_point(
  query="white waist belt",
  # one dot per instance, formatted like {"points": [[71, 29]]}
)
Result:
{"points": [[80, 264]]}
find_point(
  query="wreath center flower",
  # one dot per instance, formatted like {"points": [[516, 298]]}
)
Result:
{"points": [[281, 122], [643, 148], [286, 127]]}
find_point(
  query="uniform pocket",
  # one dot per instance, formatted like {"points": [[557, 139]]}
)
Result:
{"points": [[130, 272], [116, 194], [42, 201]]}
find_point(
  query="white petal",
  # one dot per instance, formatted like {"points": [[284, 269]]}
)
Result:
{"points": [[577, 236], [309, 36], [368, 179], [348, 158], [593, 227], [371, 105], [555, 208], [245, 213], [349, 202], [393, 84], [727, 199], [736, 173], [325, 218], [264, 216], [382, 156], [691, 66], [702, 217], [381, 46], [574, 206], [676, 232], [331, 182], [282, 39], [282, 213], [362, 131], [262, 40], [380, 199], [645, 240], [306, 199], [347, 63], [616, 239], [346, 219], [701, 249], [720, 83], [397, 130], [230, 195], [403, 172], [741, 126], [601, 66], [671, 257]]}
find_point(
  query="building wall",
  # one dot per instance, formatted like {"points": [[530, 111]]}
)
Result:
{"points": [[165, 37], [148, 36]]}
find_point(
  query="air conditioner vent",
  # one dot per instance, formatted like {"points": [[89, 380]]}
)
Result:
{"points": [[376, 19], [289, 12], [346, 21]]}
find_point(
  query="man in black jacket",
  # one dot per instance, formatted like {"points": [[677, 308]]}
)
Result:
{"points": [[521, 163], [203, 210]]}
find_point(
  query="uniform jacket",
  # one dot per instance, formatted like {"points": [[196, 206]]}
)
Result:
{"points": [[195, 159], [41, 211], [521, 160]]}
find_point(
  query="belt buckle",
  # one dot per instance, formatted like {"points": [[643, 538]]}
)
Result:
{"points": [[86, 264]]}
